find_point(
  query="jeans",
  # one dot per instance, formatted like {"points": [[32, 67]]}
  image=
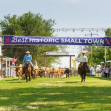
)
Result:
{"points": [[106, 75]]}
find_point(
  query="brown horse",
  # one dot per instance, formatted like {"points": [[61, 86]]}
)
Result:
{"points": [[27, 70], [82, 70]]}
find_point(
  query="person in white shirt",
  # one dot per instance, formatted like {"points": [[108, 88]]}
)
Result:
{"points": [[82, 59], [92, 71]]}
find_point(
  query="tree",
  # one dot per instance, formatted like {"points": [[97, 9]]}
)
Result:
{"points": [[98, 52], [97, 55], [108, 32], [28, 24]]}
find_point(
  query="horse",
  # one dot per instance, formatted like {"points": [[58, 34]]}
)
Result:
{"points": [[82, 70], [27, 70]]}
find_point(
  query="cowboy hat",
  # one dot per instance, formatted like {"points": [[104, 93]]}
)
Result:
{"points": [[27, 52], [83, 52]]}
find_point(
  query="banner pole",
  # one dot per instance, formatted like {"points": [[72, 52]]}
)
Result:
{"points": [[105, 51], [91, 51]]}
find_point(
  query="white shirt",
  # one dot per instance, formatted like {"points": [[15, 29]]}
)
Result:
{"points": [[83, 59], [106, 70], [92, 71]]}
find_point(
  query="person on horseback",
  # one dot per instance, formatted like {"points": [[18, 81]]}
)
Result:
{"points": [[82, 59], [27, 57]]}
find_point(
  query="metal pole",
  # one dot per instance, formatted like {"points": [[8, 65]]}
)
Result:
{"points": [[70, 66], [91, 46], [70, 62], [105, 55], [6, 68], [1, 66], [105, 51], [9, 69], [91, 51], [44, 61]]}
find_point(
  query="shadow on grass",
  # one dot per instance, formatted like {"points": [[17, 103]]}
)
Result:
{"points": [[55, 98], [101, 78], [72, 82], [12, 79], [16, 82]]}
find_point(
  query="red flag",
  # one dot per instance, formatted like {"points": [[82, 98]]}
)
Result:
{"points": [[14, 60]]}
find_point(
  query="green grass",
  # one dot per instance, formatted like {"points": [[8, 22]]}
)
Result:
{"points": [[56, 94]]}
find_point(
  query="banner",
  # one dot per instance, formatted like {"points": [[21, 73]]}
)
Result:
{"points": [[31, 40]]}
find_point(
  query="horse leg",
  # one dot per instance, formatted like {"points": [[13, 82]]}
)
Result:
{"points": [[44, 74], [41, 75], [30, 77], [84, 77], [81, 77], [19, 77], [68, 75], [26, 78]]}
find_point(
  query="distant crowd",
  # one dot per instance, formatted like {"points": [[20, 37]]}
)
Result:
{"points": [[92, 71], [106, 71]]}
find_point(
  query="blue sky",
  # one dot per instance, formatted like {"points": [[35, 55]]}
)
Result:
{"points": [[66, 13]]}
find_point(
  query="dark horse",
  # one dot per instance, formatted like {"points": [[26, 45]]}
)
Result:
{"points": [[27, 70], [82, 70]]}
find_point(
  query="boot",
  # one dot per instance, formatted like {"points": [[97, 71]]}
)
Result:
{"points": [[32, 71]]}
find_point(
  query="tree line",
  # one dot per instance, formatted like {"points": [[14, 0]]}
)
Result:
{"points": [[98, 52], [29, 24]]}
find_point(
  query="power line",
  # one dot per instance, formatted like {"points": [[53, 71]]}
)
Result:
{"points": [[79, 29], [61, 29]]}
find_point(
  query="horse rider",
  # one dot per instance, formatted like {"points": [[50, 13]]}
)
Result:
{"points": [[82, 59], [27, 57]]}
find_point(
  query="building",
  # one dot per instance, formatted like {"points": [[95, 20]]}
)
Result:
{"points": [[5, 64]]}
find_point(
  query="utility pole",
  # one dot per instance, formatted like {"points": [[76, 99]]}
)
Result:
{"points": [[91, 46], [1, 56], [91, 51], [105, 51]]}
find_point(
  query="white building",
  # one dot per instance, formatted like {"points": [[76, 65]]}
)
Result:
{"points": [[5, 69]]}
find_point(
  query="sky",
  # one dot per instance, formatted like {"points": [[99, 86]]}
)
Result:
{"points": [[66, 13]]}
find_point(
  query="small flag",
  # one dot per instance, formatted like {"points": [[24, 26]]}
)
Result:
{"points": [[74, 64], [14, 60]]}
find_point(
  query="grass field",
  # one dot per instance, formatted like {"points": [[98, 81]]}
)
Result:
{"points": [[55, 94]]}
